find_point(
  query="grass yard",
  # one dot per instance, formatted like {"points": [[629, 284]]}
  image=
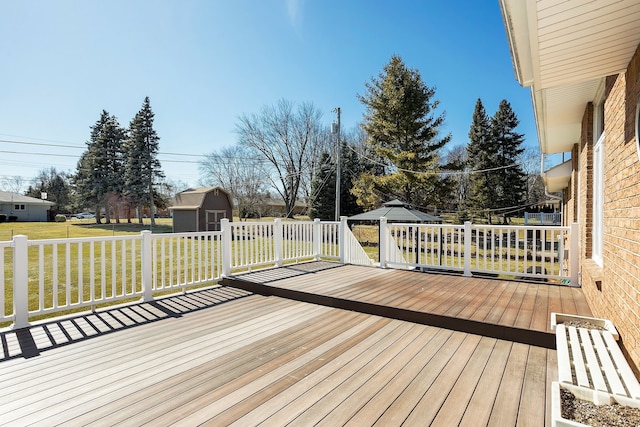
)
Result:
{"points": [[79, 228]]}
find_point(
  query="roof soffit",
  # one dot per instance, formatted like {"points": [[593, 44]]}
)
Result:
{"points": [[563, 50]]}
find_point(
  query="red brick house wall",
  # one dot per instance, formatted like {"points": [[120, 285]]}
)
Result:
{"points": [[613, 290]]}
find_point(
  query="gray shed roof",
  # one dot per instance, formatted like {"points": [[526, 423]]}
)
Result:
{"points": [[396, 211]]}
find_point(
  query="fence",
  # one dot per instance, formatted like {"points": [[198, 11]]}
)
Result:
{"points": [[541, 252], [43, 277], [549, 218]]}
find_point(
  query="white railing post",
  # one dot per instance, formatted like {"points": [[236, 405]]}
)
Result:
{"points": [[317, 239], [147, 261], [278, 241], [20, 282], [467, 249], [383, 243], [574, 253], [227, 237], [342, 239]]}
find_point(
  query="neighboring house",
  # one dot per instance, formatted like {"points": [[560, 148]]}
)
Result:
{"points": [[581, 60], [24, 208], [201, 209], [277, 208]]}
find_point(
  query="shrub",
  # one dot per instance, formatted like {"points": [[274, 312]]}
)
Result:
{"points": [[3, 218], [61, 218], [12, 218]]}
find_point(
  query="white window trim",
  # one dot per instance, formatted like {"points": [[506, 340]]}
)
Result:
{"points": [[598, 200]]}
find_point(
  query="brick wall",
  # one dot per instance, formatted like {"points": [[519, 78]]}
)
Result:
{"points": [[617, 296]]}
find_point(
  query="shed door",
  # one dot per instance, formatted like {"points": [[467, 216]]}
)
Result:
{"points": [[213, 219]]}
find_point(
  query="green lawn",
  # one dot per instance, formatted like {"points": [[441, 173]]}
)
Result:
{"points": [[79, 228]]}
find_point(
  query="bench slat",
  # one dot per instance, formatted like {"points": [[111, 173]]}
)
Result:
{"points": [[626, 373], [578, 361], [592, 361], [607, 365], [562, 348]]}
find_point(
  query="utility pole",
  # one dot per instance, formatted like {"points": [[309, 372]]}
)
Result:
{"points": [[336, 129]]}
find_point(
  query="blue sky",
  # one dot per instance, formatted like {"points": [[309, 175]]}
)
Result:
{"points": [[203, 63]]}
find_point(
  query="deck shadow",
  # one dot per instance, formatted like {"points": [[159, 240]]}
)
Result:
{"points": [[31, 341]]}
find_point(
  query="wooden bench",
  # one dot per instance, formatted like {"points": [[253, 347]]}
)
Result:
{"points": [[592, 358]]}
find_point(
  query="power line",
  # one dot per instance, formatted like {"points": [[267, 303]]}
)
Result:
{"points": [[440, 173]]}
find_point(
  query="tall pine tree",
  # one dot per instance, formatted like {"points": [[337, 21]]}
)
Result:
{"points": [[323, 186], [497, 181], [481, 156], [141, 164], [511, 179], [403, 129], [99, 171]]}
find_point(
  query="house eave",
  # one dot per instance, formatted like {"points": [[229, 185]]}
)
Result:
{"points": [[563, 51], [557, 178]]}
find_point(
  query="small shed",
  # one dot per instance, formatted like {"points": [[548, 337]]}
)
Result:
{"points": [[201, 209], [397, 211]]}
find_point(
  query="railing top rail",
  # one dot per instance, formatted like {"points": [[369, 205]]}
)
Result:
{"points": [[422, 224], [186, 234], [83, 239], [520, 227]]}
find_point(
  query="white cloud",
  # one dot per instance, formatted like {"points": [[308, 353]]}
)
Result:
{"points": [[294, 9]]}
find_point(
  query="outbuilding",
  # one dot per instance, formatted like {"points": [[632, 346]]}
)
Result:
{"points": [[201, 209], [397, 211]]}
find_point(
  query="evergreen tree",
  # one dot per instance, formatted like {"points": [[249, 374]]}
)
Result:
{"points": [[481, 156], [141, 163], [323, 187], [497, 180], [511, 179], [402, 128], [99, 170]]}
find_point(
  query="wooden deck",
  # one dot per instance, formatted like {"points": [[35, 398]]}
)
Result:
{"points": [[227, 356], [515, 311]]}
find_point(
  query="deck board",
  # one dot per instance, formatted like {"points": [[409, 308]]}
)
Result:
{"points": [[498, 308], [480, 404], [228, 356]]}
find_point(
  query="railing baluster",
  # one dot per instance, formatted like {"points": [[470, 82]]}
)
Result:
{"points": [[40, 277]]}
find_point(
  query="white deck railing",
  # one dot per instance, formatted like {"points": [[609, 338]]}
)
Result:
{"points": [[43, 277], [548, 218], [46, 277], [516, 251]]}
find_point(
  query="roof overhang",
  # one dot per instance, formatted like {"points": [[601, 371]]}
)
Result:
{"points": [[184, 208], [563, 50], [557, 178]]}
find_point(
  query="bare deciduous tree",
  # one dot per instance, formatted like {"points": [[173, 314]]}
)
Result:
{"points": [[286, 138], [239, 172], [12, 184]]}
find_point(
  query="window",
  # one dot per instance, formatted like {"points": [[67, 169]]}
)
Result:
{"points": [[19, 207], [598, 199]]}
